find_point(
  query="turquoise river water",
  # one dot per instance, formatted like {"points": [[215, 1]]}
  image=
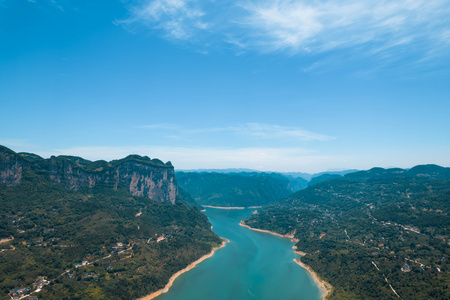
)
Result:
{"points": [[253, 265]]}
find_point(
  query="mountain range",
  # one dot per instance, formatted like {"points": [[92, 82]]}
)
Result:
{"points": [[372, 234]]}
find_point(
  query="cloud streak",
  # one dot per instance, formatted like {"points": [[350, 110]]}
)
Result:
{"points": [[380, 28], [254, 130], [267, 131]]}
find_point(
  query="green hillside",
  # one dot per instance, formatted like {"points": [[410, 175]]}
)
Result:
{"points": [[55, 229], [236, 189], [359, 235]]}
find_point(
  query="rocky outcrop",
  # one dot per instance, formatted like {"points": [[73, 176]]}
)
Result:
{"points": [[142, 176], [11, 166]]}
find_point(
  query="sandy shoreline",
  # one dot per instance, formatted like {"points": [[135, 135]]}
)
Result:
{"points": [[260, 230], [190, 267], [223, 207], [325, 287], [299, 252], [289, 236]]}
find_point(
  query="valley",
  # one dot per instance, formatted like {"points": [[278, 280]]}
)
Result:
{"points": [[119, 230]]}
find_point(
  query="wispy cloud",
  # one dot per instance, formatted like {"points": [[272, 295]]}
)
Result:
{"points": [[255, 130], [267, 131], [178, 19], [324, 25], [384, 29]]}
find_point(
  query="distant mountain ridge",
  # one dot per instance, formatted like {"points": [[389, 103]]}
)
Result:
{"points": [[226, 171], [235, 189], [294, 175], [141, 175], [428, 171]]}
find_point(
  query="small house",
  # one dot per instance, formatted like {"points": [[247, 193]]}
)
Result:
{"points": [[406, 268]]}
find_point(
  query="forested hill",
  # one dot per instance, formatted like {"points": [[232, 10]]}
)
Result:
{"points": [[93, 242], [368, 231], [426, 171], [235, 189], [421, 171]]}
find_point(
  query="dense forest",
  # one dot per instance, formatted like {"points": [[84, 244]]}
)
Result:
{"points": [[96, 243], [237, 189], [372, 234]]}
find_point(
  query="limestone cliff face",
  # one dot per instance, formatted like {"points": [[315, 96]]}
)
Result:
{"points": [[140, 175], [11, 166]]}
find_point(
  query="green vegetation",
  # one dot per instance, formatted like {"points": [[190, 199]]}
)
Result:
{"points": [[55, 229], [99, 165], [323, 177], [362, 232], [235, 189]]}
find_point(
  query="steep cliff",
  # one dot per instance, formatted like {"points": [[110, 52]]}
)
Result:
{"points": [[11, 166], [142, 176]]}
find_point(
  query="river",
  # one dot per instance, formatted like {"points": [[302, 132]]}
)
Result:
{"points": [[253, 265]]}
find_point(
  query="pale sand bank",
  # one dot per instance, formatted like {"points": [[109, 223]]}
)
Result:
{"points": [[190, 267], [230, 207], [299, 252], [324, 286], [290, 236], [223, 207]]}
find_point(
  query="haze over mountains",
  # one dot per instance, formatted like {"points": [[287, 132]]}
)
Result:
{"points": [[306, 176]]}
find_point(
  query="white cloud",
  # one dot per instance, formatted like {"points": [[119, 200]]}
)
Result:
{"points": [[179, 19], [319, 26], [267, 131], [370, 27], [255, 130]]}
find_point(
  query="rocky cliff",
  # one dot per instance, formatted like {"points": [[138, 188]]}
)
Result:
{"points": [[142, 176], [11, 166]]}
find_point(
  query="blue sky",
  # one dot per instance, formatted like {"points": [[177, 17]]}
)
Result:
{"points": [[274, 85]]}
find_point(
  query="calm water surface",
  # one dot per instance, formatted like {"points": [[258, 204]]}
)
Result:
{"points": [[253, 265]]}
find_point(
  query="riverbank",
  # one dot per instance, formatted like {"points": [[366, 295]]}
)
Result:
{"points": [[324, 286], [230, 207], [289, 236], [298, 252], [188, 268], [223, 207]]}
